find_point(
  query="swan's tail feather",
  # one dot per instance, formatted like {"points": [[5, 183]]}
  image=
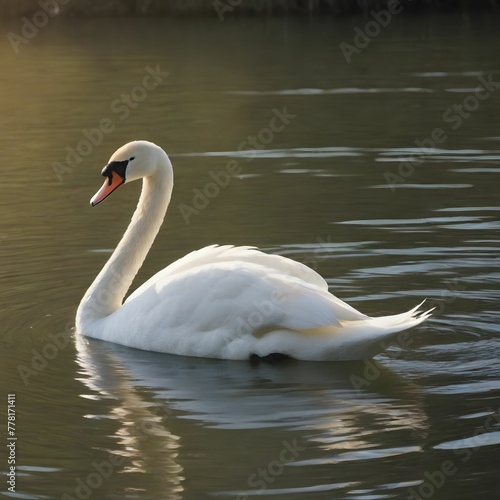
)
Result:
{"points": [[365, 339], [407, 319], [372, 328], [355, 339]]}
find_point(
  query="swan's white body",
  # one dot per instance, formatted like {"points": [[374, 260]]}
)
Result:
{"points": [[220, 301]]}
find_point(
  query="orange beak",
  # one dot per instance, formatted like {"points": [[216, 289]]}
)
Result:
{"points": [[110, 184]]}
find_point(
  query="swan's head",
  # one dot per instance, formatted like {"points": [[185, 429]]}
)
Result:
{"points": [[135, 160]]}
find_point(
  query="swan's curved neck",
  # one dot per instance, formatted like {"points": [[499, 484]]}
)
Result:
{"points": [[106, 293]]}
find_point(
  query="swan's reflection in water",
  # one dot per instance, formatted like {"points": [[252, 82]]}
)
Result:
{"points": [[183, 417], [143, 439]]}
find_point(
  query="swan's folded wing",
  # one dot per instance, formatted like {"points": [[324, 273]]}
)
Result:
{"points": [[214, 254], [241, 297]]}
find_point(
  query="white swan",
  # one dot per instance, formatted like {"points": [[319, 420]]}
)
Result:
{"points": [[220, 301]]}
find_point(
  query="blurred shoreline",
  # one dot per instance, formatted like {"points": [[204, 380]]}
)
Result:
{"points": [[235, 8]]}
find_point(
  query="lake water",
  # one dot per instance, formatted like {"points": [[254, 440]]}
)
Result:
{"points": [[381, 173]]}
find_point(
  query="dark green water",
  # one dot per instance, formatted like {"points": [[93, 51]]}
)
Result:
{"points": [[341, 186]]}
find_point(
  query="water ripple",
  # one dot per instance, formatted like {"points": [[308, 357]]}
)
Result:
{"points": [[366, 454], [288, 491], [342, 90], [477, 441]]}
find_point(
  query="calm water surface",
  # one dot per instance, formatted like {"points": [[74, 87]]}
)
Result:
{"points": [[334, 188]]}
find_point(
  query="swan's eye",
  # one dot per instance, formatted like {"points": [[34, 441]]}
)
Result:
{"points": [[130, 159]]}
